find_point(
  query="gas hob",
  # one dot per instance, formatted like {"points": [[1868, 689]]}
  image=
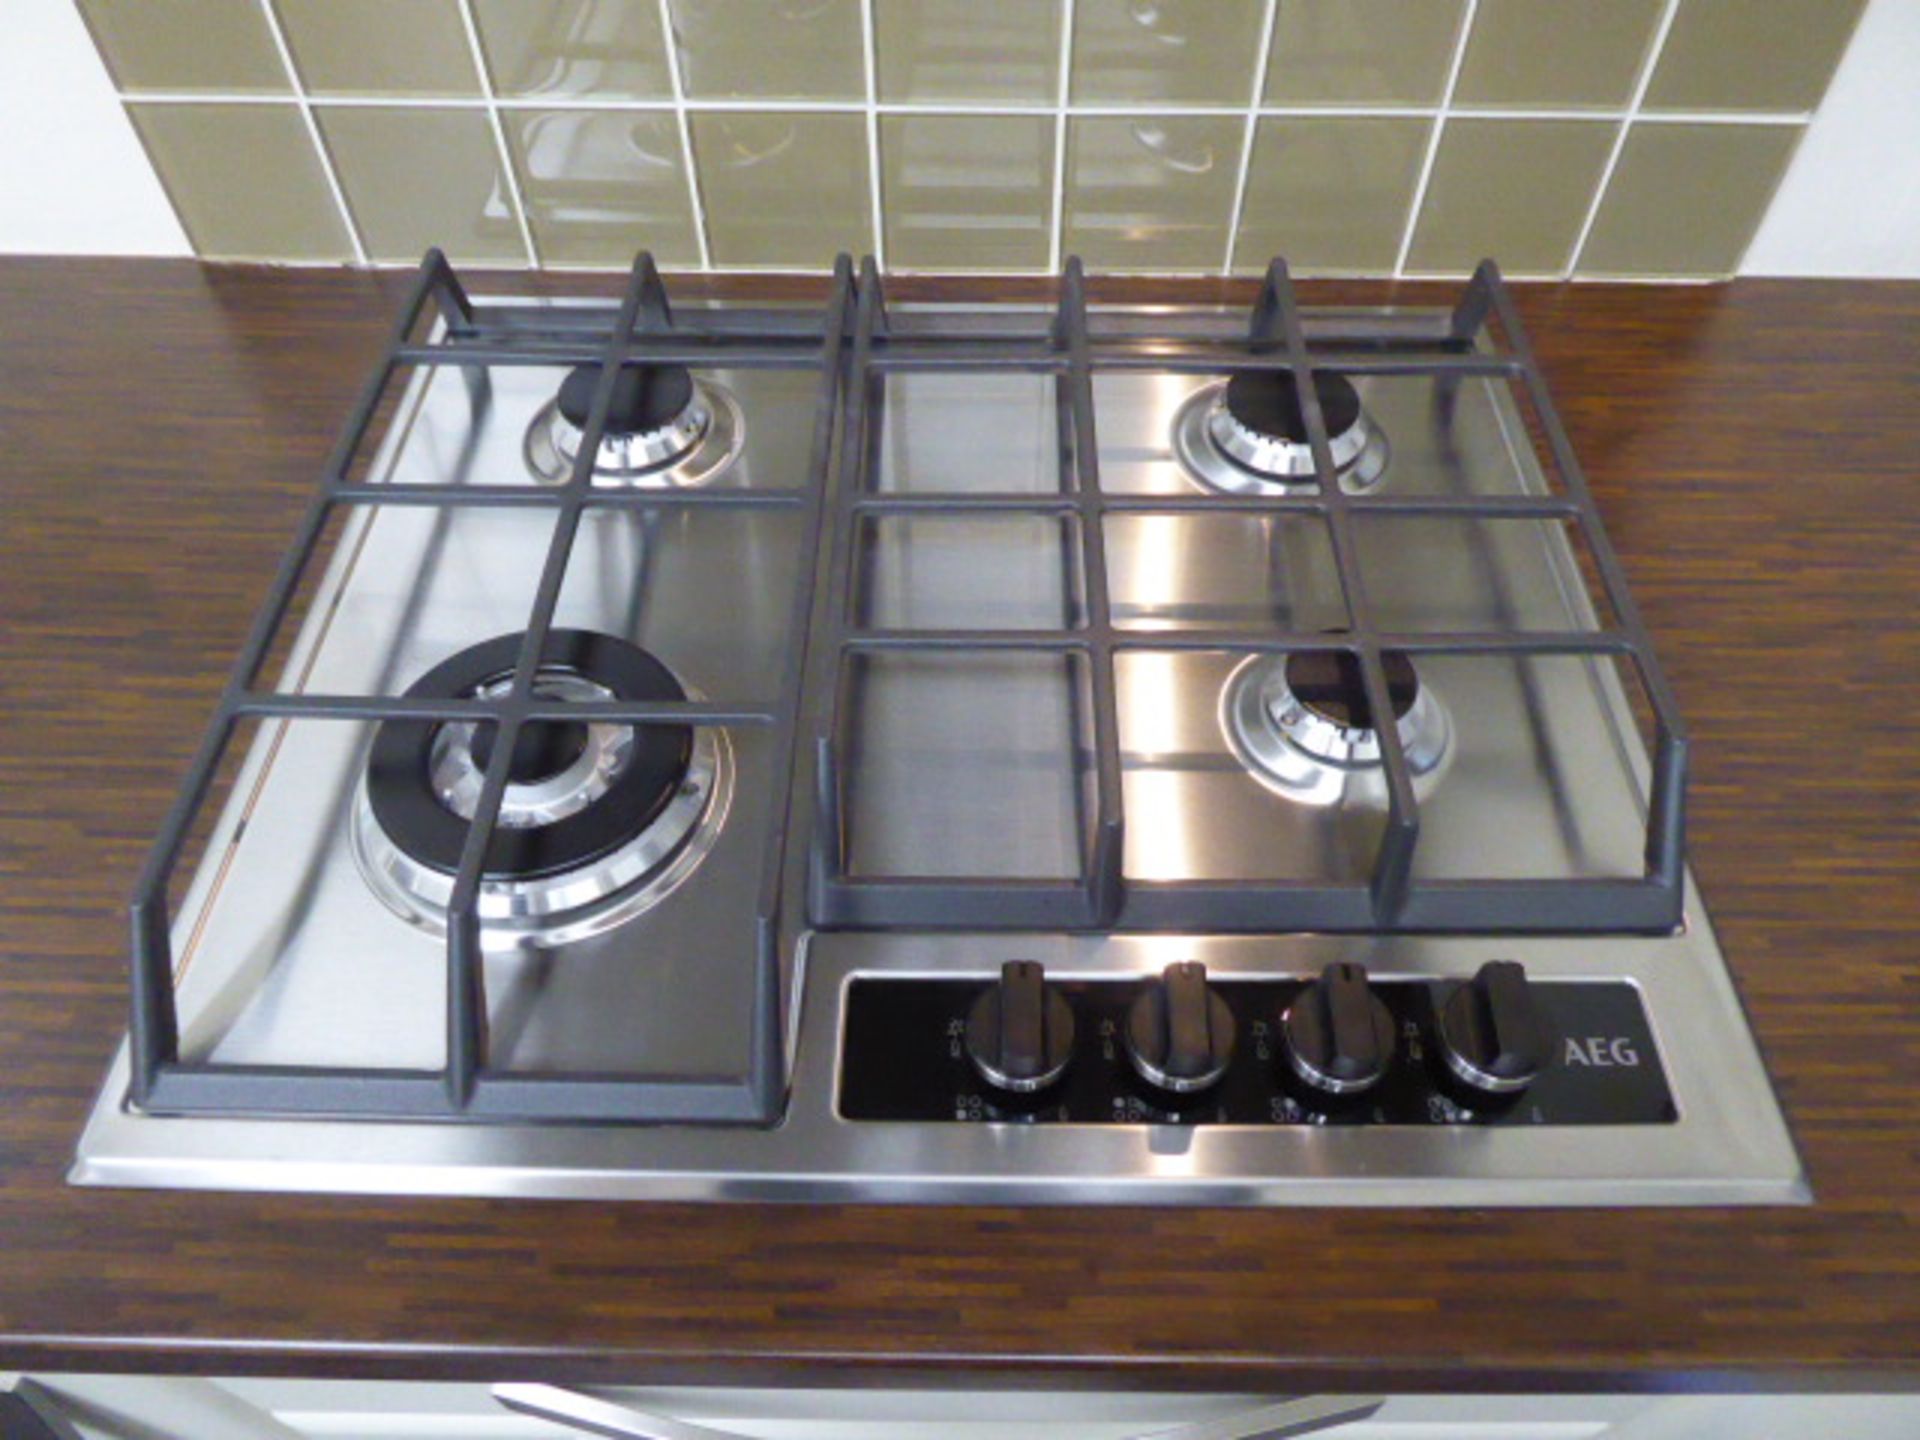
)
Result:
{"points": [[859, 750]]}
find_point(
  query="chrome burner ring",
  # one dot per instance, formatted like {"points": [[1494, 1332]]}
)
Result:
{"points": [[572, 905], [457, 777], [1222, 454], [693, 450], [1297, 751]]}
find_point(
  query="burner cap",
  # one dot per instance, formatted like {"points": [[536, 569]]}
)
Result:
{"points": [[1331, 684], [400, 779], [1246, 436], [1267, 402], [645, 397], [665, 429], [544, 749], [1301, 724]]}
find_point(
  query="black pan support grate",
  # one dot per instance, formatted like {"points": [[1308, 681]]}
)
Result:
{"points": [[1451, 348], [834, 502], [474, 337]]}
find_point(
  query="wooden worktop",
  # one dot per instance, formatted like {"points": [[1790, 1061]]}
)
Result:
{"points": [[1755, 449]]}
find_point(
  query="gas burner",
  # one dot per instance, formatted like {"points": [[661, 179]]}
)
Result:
{"points": [[1247, 436], [664, 429], [598, 822], [1301, 722]]}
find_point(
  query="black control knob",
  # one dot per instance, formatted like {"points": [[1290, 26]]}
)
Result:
{"points": [[1020, 1031], [1179, 1031], [1492, 1035], [1337, 1034]]}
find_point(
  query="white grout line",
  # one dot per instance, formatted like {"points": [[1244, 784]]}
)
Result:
{"points": [[679, 107], [1263, 60], [1433, 139], [941, 107], [514, 197], [1660, 117], [1347, 112], [327, 171], [1056, 235], [870, 63], [1640, 84]]}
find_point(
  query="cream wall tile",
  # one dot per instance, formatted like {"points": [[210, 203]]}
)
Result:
{"points": [[1362, 52], [771, 49], [209, 45], [783, 188], [967, 192], [973, 189], [575, 48], [981, 50], [601, 185], [1185, 52], [1556, 54], [1686, 199], [416, 178], [379, 47], [245, 179], [1516, 190], [1330, 194], [1150, 192], [1751, 54]]}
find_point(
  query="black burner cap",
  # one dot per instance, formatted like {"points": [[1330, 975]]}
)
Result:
{"points": [[645, 397], [1267, 402], [542, 751], [1330, 683], [399, 775]]}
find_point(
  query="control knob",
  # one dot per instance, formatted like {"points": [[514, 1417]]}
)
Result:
{"points": [[1492, 1035], [1020, 1030], [1179, 1030], [1337, 1034]]}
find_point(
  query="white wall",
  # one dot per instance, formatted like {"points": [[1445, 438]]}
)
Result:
{"points": [[1850, 204], [73, 178]]}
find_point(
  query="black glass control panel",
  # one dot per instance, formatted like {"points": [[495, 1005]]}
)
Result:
{"points": [[904, 1057]]}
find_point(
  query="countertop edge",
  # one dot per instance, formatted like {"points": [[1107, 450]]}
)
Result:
{"points": [[320, 1360]]}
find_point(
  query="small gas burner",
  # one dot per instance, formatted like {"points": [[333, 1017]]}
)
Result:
{"points": [[1302, 723], [1247, 435], [664, 428], [598, 822]]}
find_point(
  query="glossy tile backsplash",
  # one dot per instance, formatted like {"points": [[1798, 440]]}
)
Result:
{"points": [[1585, 137]]}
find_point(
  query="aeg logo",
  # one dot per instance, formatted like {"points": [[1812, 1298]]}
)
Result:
{"points": [[1602, 1052]]}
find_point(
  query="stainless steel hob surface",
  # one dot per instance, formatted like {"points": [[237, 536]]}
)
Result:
{"points": [[732, 1023]]}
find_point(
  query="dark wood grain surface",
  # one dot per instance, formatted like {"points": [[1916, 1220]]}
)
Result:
{"points": [[1756, 452]]}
